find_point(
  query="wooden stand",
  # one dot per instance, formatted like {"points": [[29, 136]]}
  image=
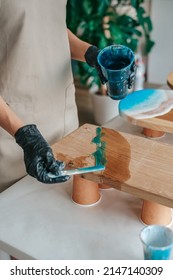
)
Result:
{"points": [[152, 212], [135, 165], [170, 80], [150, 133]]}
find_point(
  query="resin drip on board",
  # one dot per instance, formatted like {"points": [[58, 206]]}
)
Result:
{"points": [[100, 153]]}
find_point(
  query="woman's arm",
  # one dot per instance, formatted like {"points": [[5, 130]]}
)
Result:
{"points": [[38, 156], [85, 52], [8, 119], [78, 47]]}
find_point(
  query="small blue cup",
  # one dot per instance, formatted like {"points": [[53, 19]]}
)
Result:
{"points": [[157, 242], [117, 63]]}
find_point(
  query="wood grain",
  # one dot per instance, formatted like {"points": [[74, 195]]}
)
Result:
{"points": [[170, 80], [135, 165], [160, 123]]}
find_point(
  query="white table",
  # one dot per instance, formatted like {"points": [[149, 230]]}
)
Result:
{"points": [[39, 221]]}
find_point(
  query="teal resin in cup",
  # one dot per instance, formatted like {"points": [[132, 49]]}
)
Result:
{"points": [[117, 63], [157, 242]]}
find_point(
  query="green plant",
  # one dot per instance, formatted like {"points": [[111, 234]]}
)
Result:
{"points": [[107, 22]]}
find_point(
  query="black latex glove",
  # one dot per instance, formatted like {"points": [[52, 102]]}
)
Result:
{"points": [[38, 156], [91, 58]]}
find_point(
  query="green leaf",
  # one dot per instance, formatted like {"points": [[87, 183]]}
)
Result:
{"points": [[134, 3], [103, 42], [148, 24], [87, 16], [103, 6], [148, 46], [87, 6]]}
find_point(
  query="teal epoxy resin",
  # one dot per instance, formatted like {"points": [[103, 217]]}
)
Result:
{"points": [[146, 103], [139, 99], [100, 153], [157, 242]]}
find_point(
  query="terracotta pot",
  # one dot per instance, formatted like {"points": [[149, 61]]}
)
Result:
{"points": [[104, 187], [152, 133], [85, 192], [154, 213]]}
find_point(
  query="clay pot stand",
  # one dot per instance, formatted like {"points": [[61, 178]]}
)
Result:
{"points": [[135, 164]]}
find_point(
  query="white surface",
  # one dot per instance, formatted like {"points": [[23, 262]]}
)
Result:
{"points": [[4, 256], [40, 221]]}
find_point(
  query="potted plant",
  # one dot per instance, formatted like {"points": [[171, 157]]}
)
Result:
{"points": [[107, 22]]}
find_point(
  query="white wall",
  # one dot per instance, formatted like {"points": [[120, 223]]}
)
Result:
{"points": [[160, 62]]}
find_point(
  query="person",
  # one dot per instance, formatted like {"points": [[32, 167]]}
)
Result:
{"points": [[37, 94]]}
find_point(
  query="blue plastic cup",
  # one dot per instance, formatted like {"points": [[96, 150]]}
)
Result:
{"points": [[157, 242], [117, 63]]}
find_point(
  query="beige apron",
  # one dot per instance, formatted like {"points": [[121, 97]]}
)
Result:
{"points": [[35, 75]]}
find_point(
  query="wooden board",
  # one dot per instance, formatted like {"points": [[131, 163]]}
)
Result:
{"points": [[149, 108], [135, 165], [159, 123]]}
